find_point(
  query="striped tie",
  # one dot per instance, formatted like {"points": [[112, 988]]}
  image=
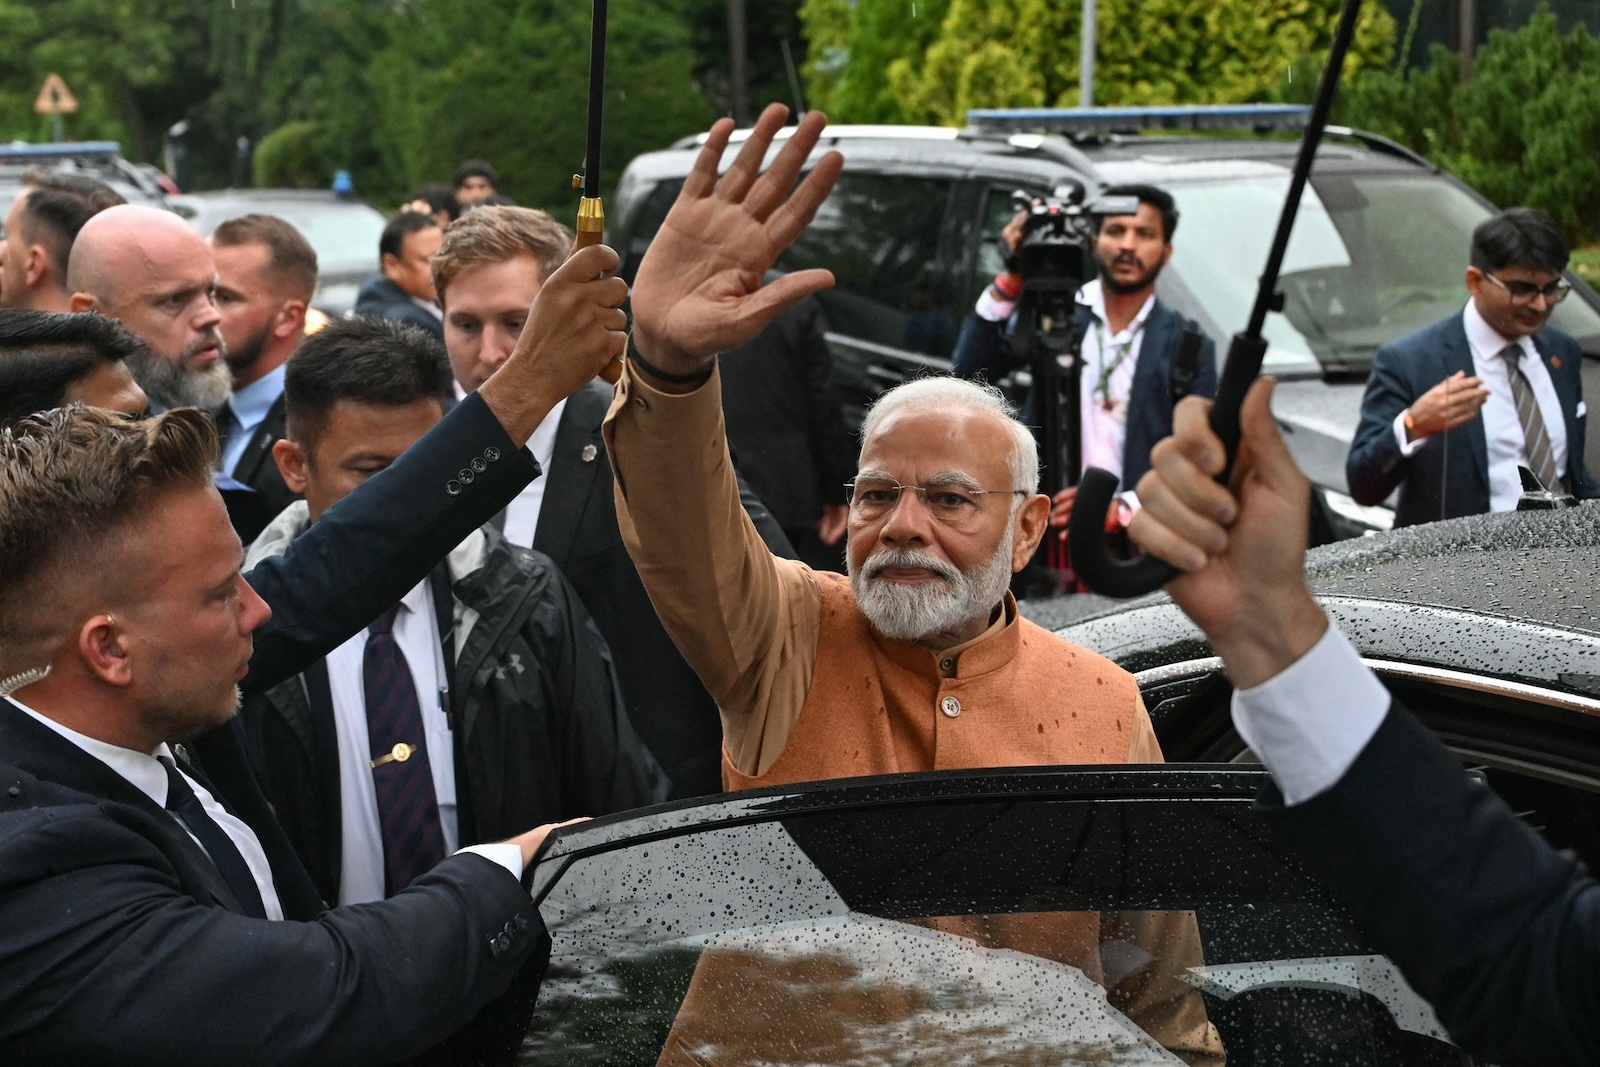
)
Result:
{"points": [[1536, 448], [408, 812]]}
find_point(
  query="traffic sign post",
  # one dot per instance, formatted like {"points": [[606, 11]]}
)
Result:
{"points": [[55, 100]]}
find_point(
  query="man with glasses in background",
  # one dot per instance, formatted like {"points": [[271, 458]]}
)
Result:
{"points": [[1421, 428]]}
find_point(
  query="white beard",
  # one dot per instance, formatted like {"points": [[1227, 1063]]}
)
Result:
{"points": [[916, 612]]}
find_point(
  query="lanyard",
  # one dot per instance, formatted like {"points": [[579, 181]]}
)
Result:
{"points": [[1109, 367]]}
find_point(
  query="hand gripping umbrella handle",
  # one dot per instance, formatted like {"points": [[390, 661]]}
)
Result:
{"points": [[591, 228], [1091, 558]]}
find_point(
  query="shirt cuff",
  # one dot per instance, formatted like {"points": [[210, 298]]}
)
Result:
{"points": [[1407, 448], [993, 309], [1310, 721], [500, 852]]}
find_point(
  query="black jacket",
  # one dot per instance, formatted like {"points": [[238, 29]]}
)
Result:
{"points": [[383, 298], [541, 733], [258, 472], [147, 965], [785, 418], [1496, 929]]}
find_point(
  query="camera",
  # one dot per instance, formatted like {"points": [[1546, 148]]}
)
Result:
{"points": [[1055, 255]]}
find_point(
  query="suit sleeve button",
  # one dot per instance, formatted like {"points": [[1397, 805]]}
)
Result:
{"points": [[465, 475], [491, 453], [453, 487], [479, 465]]}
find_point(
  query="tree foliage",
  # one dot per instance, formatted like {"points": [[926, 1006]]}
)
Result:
{"points": [[1525, 129], [872, 61]]}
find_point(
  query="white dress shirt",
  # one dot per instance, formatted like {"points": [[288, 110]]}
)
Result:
{"points": [[1309, 722], [1502, 430], [145, 773], [249, 406], [1103, 416], [417, 635], [522, 514]]}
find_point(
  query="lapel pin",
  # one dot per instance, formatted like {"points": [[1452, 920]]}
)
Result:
{"points": [[589, 453], [1555, 361]]}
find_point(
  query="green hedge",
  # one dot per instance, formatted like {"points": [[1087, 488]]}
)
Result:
{"points": [[1525, 129]]}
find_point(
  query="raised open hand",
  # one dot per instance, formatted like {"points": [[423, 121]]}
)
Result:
{"points": [[698, 291]]}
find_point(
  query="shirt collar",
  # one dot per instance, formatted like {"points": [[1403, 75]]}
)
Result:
{"points": [[250, 403], [1093, 296], [429, 306], [1487, 341], [141, 770]]}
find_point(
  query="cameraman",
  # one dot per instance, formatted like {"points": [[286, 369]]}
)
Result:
{"points": [[1128, 382]]}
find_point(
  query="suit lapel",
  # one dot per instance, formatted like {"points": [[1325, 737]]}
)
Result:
{"points": [[575, 467], [48, 756], [259, 450], [1148, 403], [1457, 356]]}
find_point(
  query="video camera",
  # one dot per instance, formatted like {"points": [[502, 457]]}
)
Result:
{"points": [[1055, 255]]}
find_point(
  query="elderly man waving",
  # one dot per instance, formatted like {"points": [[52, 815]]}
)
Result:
{"points": [[920, 660]]}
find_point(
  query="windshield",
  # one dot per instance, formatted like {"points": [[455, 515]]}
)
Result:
{"points": [[1373, 257], [1053, 929]]}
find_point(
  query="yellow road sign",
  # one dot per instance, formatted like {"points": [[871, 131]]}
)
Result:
{"points": [[55, 98]]}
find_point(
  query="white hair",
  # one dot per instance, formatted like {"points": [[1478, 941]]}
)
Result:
{"points": [[923, 394]]}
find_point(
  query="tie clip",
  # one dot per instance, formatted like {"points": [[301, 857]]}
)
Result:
{"points": [[398, 754]]}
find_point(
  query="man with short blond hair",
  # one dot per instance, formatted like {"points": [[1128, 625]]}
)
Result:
{"points": [[488, 270], [266, 277]]}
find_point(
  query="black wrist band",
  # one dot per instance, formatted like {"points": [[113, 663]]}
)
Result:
{"points": [[699, 377]]}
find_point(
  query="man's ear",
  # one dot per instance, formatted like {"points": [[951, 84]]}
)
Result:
{"points": [[291, 461], [291, 318], [103, 647], [83, 302], [1031, 519], [388, 263], [1474, 280], [38, 265]]}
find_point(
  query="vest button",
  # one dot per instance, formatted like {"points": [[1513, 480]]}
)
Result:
{"points": [[950, 706]]}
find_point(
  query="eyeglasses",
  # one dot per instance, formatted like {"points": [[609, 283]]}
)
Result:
{"points": [[1522, 293], [873, 498]]}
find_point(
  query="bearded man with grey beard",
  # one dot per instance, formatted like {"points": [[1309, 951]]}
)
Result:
{"points": [[149, 269], [920, 659]]}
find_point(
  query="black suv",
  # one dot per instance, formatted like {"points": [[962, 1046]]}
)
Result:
{"points": [[911, 234]]}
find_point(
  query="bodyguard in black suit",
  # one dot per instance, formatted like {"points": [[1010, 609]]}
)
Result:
{"points": [[1498, 931], [157, 960], [1452, 410]]}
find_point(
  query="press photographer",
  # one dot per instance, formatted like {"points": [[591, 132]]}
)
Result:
{"points": [[1107, 363]]}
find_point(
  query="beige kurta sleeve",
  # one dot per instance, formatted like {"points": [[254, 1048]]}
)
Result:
{"points": [[745, 620]]}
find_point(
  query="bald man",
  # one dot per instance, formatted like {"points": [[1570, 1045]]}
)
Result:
{"points": [[148, 268]]}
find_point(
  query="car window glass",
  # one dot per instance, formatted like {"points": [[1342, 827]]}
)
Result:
{"points": [[1031, 930], [879, 235], [997, 211]]}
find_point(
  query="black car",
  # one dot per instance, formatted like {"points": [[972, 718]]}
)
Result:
{"points": [[911, 233], [343, 230], [920, 918]]}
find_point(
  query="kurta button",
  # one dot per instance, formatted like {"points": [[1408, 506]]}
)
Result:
{"points": [[453, 487], [950, 706], [491, 453], [641, 402], [479, 465], [947, 664]]}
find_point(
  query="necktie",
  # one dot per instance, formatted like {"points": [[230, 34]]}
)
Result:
{"points": [[224, 854], [1536, 446], [408, 812], [226, 424]]}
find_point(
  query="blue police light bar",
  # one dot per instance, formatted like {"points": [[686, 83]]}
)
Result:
{"points": [[65, 150], [1088, 120]]}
